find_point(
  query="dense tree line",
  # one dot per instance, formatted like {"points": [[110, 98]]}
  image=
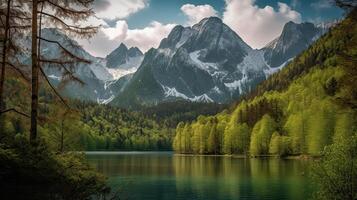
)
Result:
{"points": [[90, 126], [299, 110], [171, 113], [112, 128]]}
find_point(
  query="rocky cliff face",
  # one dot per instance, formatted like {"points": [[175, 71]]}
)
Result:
{"points": [[293, 40], [124, 58], [206, 62], [209, 62]]}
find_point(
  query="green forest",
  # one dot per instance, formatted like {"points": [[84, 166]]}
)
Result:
{"points": [[308, 105], [307, 110], [91, 126]]}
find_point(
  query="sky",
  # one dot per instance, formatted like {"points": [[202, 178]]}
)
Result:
{"points": [[144, 23]]}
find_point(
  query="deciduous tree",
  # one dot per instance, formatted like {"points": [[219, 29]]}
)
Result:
{"points": [[65, 15]]}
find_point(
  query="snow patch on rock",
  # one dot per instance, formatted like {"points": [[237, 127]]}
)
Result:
{"points": [[172, 92], [52, 76], [184, 36], [105, 101], [253, 61], [100, 71], [209, 67], [271, 70], [232, 86], [166, 51]]}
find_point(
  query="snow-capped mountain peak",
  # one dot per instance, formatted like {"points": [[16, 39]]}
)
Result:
{"points": [[206, 62], [102, 84], [210, 62]]}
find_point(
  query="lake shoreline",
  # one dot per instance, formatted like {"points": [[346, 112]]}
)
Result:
{"points": [[167, 176], [289, 157], [240, 156]]}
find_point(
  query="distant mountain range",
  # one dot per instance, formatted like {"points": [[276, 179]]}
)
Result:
{"points": [[207, 62], [104, 77]]}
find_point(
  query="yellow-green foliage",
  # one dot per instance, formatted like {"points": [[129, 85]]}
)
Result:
{"points": [[261, 135], [280, 145], [299, 110], [311, 119]]}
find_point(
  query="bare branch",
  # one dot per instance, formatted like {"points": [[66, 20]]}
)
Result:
{"points": [[17, 70], [86, 29], [53, 88], [20, 27], [20, 17], [56, 61], [62, 65], [66, 50], [85, 13], [14, 110]]}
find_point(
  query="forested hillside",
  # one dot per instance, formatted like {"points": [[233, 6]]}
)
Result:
{"points": [[106, 127], [87, 126], [112, 128], [172, 112], [306, 106], [91, 126]]}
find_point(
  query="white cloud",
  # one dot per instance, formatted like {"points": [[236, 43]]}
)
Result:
{"points": [[257, 26], [99, 45], [149, 36], [118, 32], [118, 9], [109, 38], [197, 13]]}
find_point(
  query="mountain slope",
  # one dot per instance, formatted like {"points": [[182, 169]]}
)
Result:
{"points": [[307, 105], [294, 39], [209, 62], [193, 63], [101, 84], [124, 58]]}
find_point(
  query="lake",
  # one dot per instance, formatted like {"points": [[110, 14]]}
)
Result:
{"points": [[167, 176]]}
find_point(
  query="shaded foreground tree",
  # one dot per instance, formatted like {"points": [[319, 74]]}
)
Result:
{"points": [[35, 172], [30, 171], [64, 15], [14, 23], [336, 173]]}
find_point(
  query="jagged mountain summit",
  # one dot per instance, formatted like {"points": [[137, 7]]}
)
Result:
{"points": [[123, 61], [206, 62], [122, 57], [209, 62], [294, 39]]}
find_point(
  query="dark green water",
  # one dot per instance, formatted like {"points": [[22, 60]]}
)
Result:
{"points": [[165, 176]]}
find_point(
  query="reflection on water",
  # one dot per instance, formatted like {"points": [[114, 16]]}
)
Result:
{"points": [[167, 176]]}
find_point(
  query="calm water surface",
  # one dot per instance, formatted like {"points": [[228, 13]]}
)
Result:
{"points": [[166, 176]]}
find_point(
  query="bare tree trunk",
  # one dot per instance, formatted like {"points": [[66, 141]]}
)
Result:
{"points": [[3, 64], [35, 69]]}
